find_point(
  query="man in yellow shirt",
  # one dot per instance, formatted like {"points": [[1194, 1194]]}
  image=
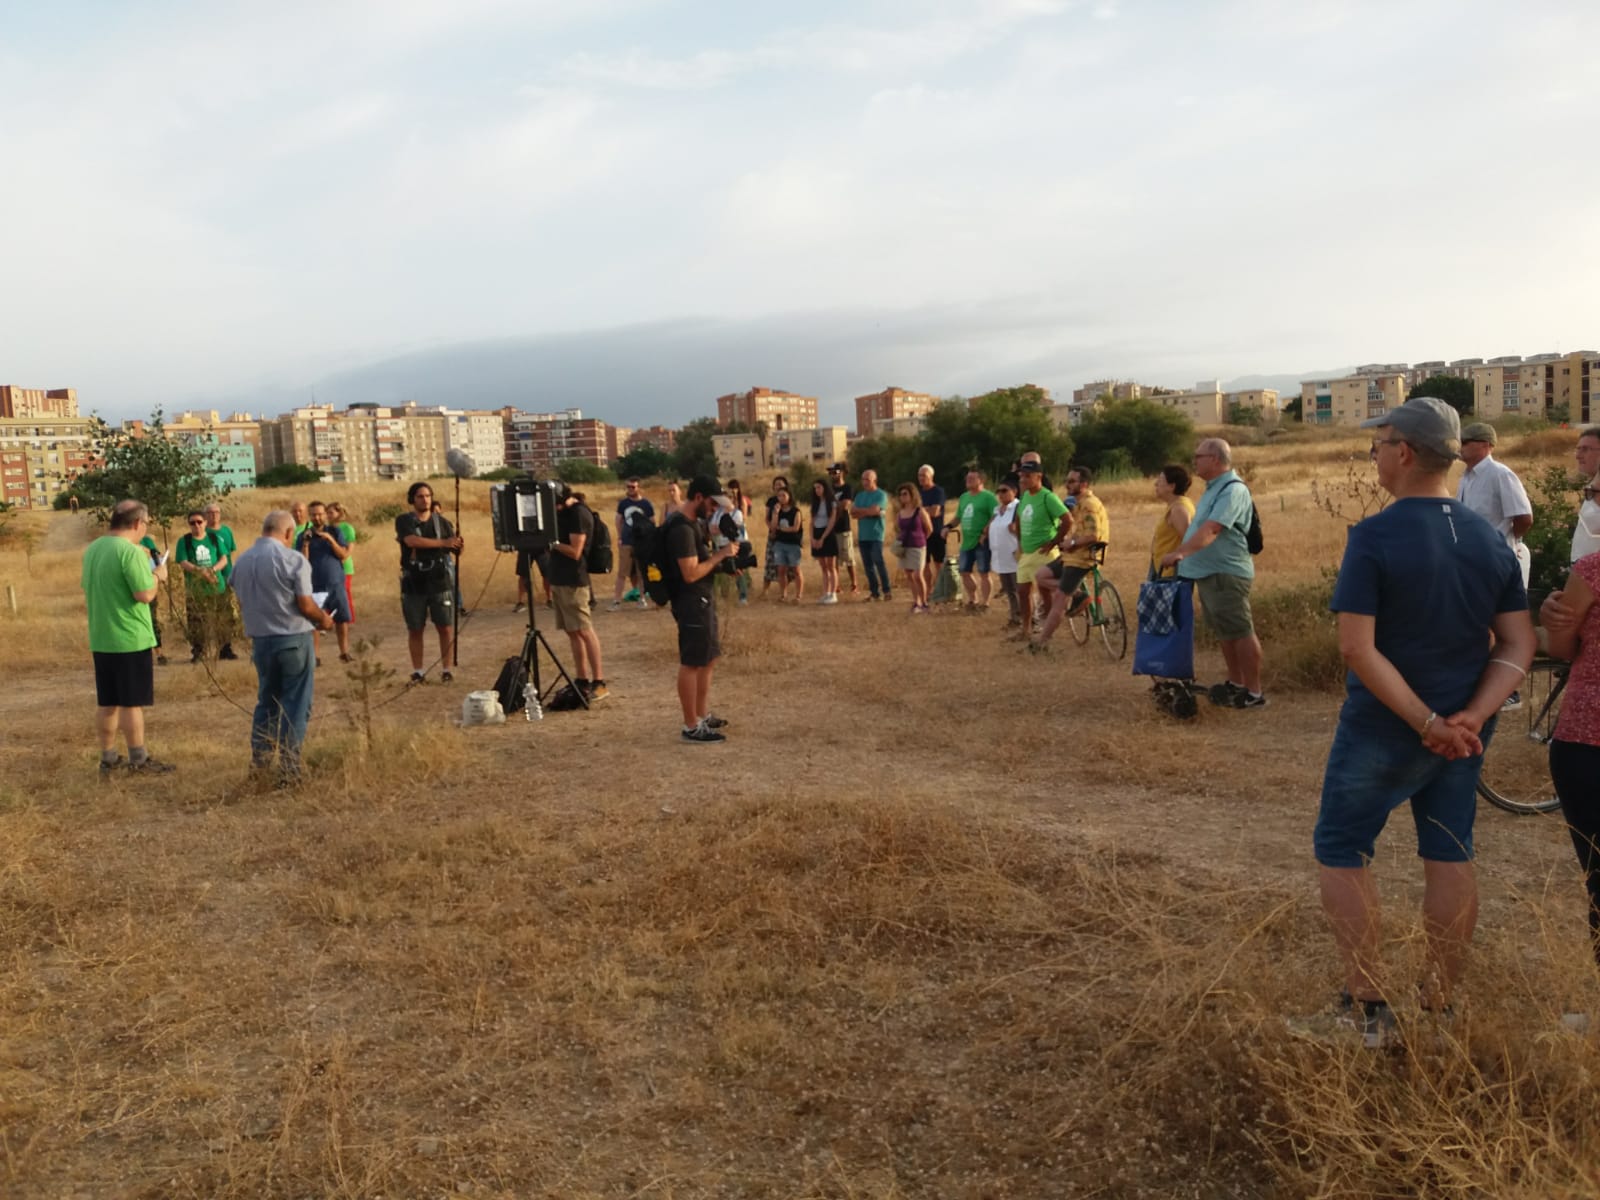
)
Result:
{"points": [[1059, 580]]}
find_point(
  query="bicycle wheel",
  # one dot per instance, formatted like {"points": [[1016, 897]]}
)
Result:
{"points": [[1113, 622], [1080, 623], [1516, 769]]}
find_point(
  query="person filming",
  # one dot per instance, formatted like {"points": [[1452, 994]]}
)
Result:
{"points": [[693, 562]]}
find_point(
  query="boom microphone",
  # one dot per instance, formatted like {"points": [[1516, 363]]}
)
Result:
{"points": [[460, 463]]}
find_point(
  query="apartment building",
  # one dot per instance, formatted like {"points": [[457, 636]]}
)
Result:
{"points": [[899, 426], [617, 441], [891, 404], [236, 429], [366, 443], [24, 404], [739, 454], [40, 456], [820, 447], [1351, 399], [478, 432], [659, 436], [1534, 386], [539, 442], [1117, 389], [777, 409]]}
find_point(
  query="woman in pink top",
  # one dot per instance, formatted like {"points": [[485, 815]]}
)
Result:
{"points": [[914, 527], [1575, 749]]}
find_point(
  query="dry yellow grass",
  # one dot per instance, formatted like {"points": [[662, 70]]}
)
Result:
{"points": [[940, 920]]}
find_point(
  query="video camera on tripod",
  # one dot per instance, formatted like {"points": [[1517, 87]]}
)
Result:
{"points": [[523, 514]]}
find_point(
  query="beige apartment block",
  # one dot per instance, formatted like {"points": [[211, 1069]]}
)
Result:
{"points": [[478, 432], [1204, 404], [367, 443], [617, 441], [1532, 387], [899, 426], [236, 429], [1117, 389], [776, 409], [889, 405], [820, 447], [1350, 400], [40, 456], [739, 454], [1262, 400], [20, 403]]}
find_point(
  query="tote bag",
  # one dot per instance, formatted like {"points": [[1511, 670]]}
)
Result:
{"points": [[1164, 646]]}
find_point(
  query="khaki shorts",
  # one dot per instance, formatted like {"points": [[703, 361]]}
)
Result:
{"points": [[1028, 564], [1226, 601], [847, 545], [572, 608]]}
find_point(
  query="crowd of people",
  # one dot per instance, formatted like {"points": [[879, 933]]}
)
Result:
{"points": [[1433, 617]]}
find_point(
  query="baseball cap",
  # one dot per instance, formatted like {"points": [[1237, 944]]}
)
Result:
{"points": [[837, 467], [1426, 423], [703, 485], [1480, 431], [1024, 467]]}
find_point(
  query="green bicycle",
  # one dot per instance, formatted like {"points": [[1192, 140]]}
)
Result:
{"points": [[1103, 611]]}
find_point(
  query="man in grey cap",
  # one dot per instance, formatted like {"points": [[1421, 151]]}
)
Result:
{"points": [[1492, 490], [1423, 585]]}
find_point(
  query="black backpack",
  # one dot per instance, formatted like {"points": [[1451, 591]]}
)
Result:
{"points": [[661, 579], [511, 684], [1252, 536], [597, 558]]}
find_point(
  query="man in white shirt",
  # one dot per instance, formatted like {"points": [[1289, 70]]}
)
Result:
{"points": [[1586, 537], [1492, 490]]}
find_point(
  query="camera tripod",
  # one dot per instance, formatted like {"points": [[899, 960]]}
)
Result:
{"points": [[530, 659]]}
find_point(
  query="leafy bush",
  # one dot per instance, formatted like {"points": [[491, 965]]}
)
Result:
{"points": [[385, 514], [287, 475], [581, 470], [499, 474], [1151, 434], [1549, 540]]}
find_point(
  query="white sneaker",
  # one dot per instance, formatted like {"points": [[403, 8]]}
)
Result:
{"points": [[830, 598], [614, 606], [644, 605]]}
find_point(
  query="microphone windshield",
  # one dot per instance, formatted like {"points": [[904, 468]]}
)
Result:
{"points": [[460, 463]]}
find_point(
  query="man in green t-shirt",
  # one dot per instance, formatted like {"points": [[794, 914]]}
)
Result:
{"points": [[230, 547], [202, 559], [118, 586], [1038, 519], [975, 508]]}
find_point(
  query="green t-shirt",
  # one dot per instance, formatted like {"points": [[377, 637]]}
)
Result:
{"points": [[349, 532], [204, 551], [975, 510], [1038, 517], [224, 535], [113, 570]]}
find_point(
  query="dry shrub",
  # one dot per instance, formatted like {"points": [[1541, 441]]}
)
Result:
{"points": [[1543, 443]]}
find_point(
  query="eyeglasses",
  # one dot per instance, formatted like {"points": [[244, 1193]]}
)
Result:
{"points": [[1205, 453]]}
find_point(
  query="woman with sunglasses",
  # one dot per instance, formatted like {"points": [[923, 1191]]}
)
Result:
{"points": [[913, 526], [339, 519]]}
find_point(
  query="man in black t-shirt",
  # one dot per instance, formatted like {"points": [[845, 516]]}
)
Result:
{"points": [[427, 577], [842, 533], [933, 501], [692, 563], [569, 588]]}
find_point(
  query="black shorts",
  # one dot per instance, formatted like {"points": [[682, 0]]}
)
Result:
{"points": [[696, 616], [936, 547], [1069, 577], [125, 680], [828, 548]]}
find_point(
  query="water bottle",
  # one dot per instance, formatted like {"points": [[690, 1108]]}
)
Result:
{"points": [[530, 694]]}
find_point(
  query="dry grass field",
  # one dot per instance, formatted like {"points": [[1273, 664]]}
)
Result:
{"points": [[939, 920]]}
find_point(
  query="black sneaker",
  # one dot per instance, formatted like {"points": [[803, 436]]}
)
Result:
{"points": [[701, 733], [418, 677], [1248, 699], [227, 653], [446, 677], [109, 770], [151, 766], [712, 721]]}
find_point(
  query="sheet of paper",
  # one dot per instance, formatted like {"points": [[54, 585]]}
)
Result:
{"points": [[321, 598]]}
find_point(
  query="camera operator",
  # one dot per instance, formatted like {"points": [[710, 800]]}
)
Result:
{"points": [[569, 586], [694, 606]]}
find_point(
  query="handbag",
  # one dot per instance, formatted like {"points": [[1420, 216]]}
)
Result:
{"points": [[1164, 646], [897, 549]]}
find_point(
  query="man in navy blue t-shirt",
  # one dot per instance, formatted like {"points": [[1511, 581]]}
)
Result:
{"points": [[1434, 626], [633, 504]]}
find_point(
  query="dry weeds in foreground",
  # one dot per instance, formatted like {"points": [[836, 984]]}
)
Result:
{"points": [[891, 941]]}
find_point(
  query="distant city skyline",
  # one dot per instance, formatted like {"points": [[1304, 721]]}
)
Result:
{"points": [[635, 206]]}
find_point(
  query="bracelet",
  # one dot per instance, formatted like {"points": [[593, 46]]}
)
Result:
{"points": [[1506, 662], [1427, 725]]}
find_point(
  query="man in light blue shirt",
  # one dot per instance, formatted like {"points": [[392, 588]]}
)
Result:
{"points": [[1215, 554], [273, 584], [868, 506]]}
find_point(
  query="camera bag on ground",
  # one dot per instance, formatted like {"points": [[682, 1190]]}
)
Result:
{"points": [[597, 558], [511, 684]]}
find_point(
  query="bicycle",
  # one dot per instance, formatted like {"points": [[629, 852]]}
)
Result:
{"points": [[1103, 611], [1518, 761]]}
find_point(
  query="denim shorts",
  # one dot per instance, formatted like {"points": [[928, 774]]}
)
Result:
{"points": [[976, 559], [785, 555], [1371, 773]]}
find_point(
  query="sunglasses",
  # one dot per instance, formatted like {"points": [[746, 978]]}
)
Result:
{"points": [[198, 521]]}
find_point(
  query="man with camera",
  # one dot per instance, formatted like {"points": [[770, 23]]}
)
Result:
{"points": [[569, 588], [427, 580], [691, 562]]}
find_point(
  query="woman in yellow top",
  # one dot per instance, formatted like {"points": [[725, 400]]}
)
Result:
{"points": [[1172, 486]]}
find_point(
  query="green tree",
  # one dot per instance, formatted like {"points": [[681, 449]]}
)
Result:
{"points": [[895, 459], [696, 454], [1293, 409], [1243, 414], [288, 475], [581, 470], [501, 474], [1549, 539], [1152, 435], [170, 477], [991, 433], [1457, 393], [646, 462]]}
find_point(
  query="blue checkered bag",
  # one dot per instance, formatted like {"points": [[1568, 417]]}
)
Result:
{"points": [[1164, 646]]}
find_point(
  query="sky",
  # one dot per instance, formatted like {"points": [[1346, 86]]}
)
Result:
{"points": [[633, 206]]}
